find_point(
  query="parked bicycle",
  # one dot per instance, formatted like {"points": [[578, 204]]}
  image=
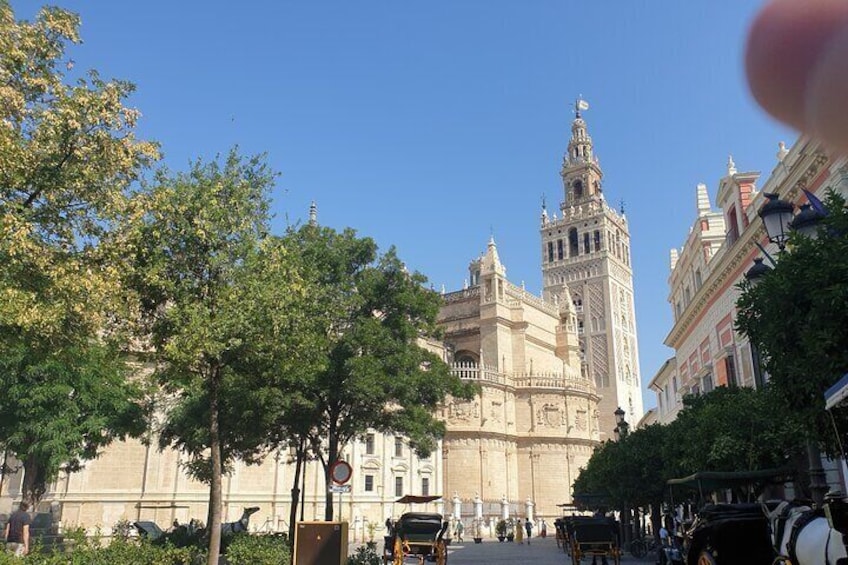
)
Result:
{"points": [[640, 547]]}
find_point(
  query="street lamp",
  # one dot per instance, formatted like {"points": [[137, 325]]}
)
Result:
{"points": [[621, 425], [777, 215], [756, 273]]}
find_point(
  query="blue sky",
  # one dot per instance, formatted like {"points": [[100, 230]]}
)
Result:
{"points": [[431, 125]]}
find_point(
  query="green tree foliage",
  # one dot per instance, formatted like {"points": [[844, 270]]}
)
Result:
{"points": [[734, 429], [374, 373], [68, 156], [728, 429], [797, 317], [218, 300]]}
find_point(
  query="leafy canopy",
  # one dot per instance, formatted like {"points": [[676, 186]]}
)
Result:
{"points": [[797, 317], [68, 157]]}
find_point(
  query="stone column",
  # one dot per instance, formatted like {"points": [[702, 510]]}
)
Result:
{"points": [[528, 508], [504, 508], [478, 507], [457, 507]]}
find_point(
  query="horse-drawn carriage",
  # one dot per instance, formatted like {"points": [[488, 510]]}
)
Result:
{"points": [[588, 536], [729, 533], [423, 535], [418, 534]]}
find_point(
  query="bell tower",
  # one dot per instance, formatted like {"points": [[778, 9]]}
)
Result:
{"points": [[586, 254]]}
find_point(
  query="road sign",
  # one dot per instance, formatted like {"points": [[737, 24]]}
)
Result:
{"points": [[340, 488], [340, 472]]}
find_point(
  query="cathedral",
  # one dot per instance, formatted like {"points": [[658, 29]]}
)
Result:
{"points": [[551, 370]]}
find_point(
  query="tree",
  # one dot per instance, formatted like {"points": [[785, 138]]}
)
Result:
{"points": [[796, 318], [374, 372], [217, 296], [734, 429], [68, 159]]}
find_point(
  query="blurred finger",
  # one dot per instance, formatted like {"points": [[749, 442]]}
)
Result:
{"points": [[792, 53]]}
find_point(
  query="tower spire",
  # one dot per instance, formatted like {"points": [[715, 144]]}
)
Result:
{"points": [[313, 214], [580, 145]]}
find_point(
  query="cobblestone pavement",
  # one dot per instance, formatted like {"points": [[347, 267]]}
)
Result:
{"points": [[541, 551]]}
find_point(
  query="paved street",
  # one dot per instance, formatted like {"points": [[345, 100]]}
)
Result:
{"points": [[539, 552]]}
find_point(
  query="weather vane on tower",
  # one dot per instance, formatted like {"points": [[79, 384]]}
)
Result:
{"points": [[579, 105]]}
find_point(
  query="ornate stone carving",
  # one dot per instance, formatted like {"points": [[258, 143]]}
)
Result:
{"points": [[464, 411], [496, 411], [580, 420], [550, 415]]}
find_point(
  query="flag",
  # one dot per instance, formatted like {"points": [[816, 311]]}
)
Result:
{"points": [[816, 204], [582, 105]]}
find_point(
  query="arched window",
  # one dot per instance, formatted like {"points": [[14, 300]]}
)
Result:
{"points": [[573, 243], [578, 189]]}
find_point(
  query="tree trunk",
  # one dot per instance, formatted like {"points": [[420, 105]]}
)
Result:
{"points": [[215, 498], [34, 483], [332, 455], [656, 519], [295, 491]]}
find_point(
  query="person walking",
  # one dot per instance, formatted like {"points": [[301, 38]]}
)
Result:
{"points": [[543, 529], [528, 527], [459, 529], [17, 531]]}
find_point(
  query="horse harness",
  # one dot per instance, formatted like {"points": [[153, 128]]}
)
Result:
{"points": [[806, 516]]}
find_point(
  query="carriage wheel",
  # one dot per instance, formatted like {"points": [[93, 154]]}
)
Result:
{"points": [[441, 551], [706, 558], [397, 551]]}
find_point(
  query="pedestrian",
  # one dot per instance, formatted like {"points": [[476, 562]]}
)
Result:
{"points": [[528, 526], [17, 531], [519, 531], [543, 529], [459, 529]]}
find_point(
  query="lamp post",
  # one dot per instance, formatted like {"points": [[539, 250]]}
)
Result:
{"points": [[621, 425], [620, 431], [780, 220]]}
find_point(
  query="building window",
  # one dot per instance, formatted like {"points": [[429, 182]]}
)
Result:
{"points": [[550, 252], [425, 486], [369, 444], [573, 243], [398, 447], [578, 186], [586, 248], [398, 486], [559, 249], [597, 240], [580, 327], [674, 384], [707, 382], [369, 483], [730, 365], [732, 228], [698, 281]]}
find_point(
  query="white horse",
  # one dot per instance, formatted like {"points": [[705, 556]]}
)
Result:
{"points": [[815, 544]]}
